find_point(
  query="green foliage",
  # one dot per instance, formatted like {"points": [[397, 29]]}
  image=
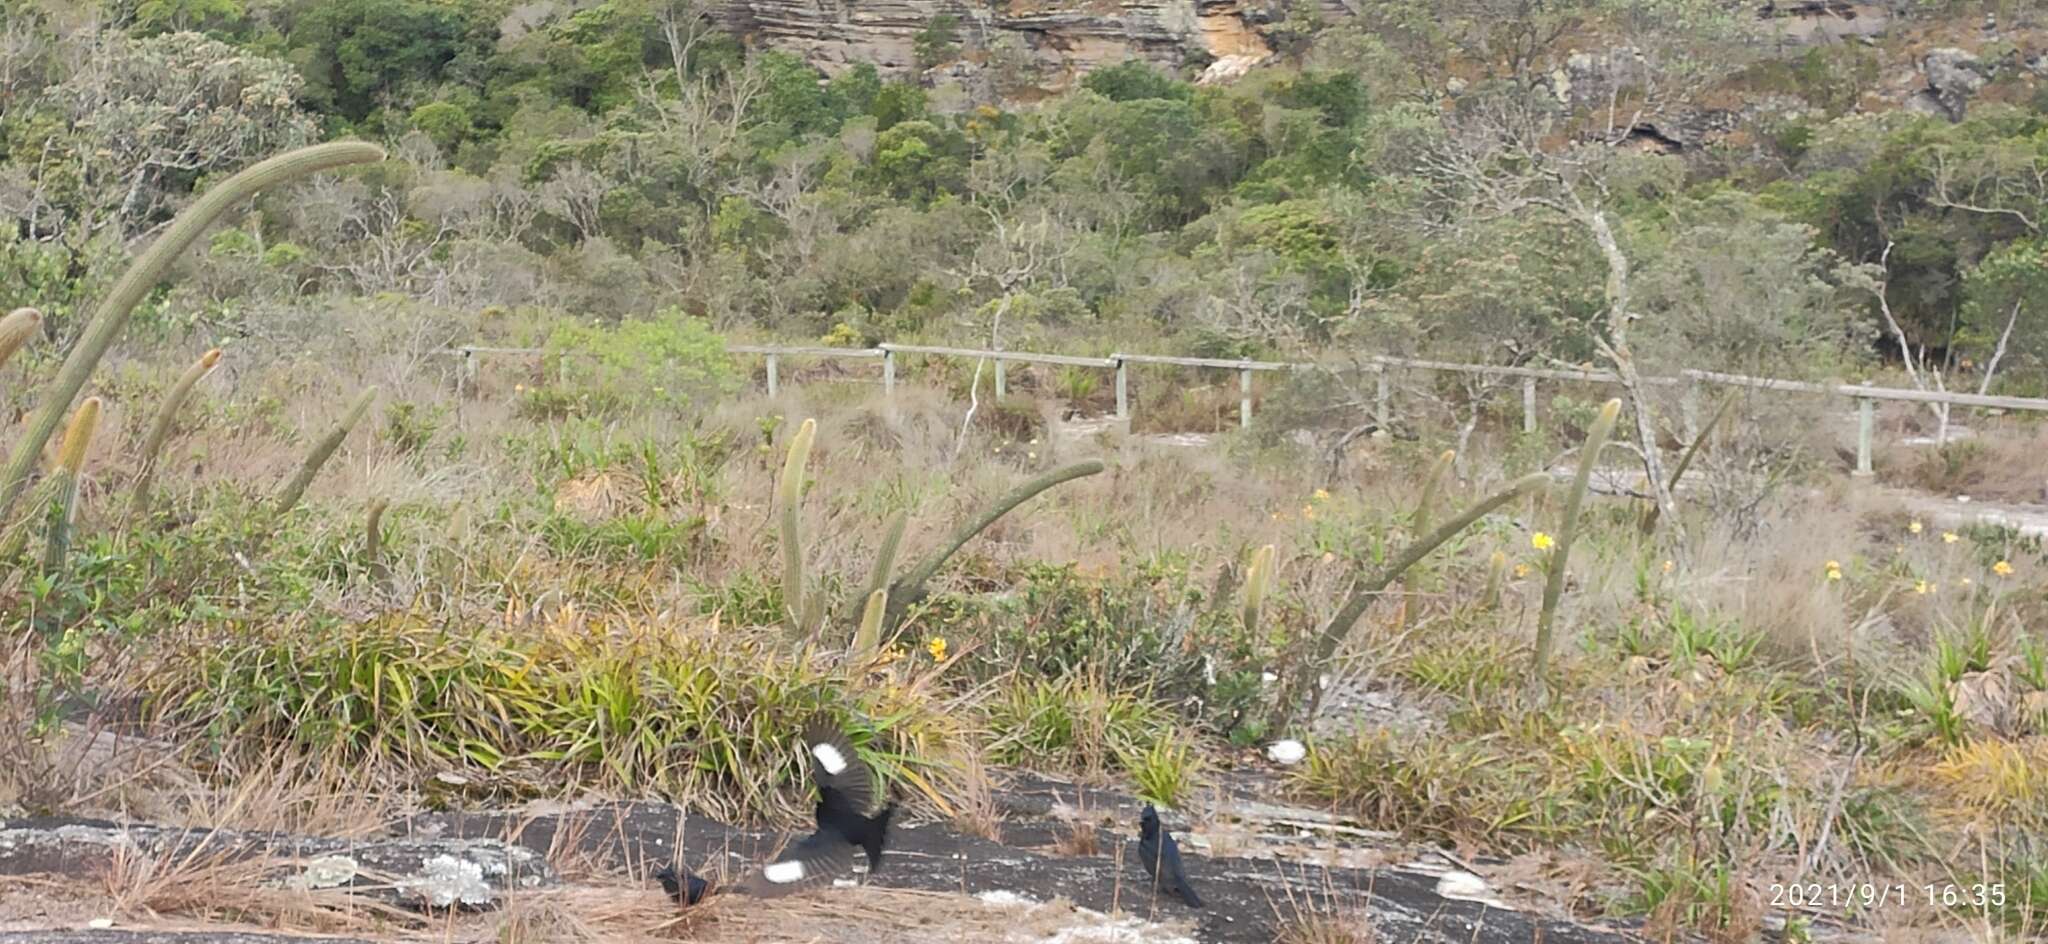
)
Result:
{"points": [[640, 707], [1134, 79], [355, 54], [939, 41], [671, 359], [1075, 723], [446, 123]]}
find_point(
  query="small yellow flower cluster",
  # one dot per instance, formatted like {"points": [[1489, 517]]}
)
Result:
{"points": [[2002, 568], [1542, 541], [937, 647], [1915, 526], [1949, 537], [1834, 570]]}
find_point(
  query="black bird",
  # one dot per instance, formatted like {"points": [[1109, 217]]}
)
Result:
{"points": [[1161, 857], [850, 811], [686, 889]]}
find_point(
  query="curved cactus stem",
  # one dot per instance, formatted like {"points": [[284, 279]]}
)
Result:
{"points": [[1567, 530], [16, 330], [70, 472], [143, 275], [788, 492], [288, 498], [909, 589], [160, 430], [1496, 577], [373, 542], [868, 639], [1258, 576], [1362, 596], [1438, 472], [885, 555]]}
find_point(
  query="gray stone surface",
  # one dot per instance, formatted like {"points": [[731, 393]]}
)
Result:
{"points": [[1243, 894], [407, 871]]}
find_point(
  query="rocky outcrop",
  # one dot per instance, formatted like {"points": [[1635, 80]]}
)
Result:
{"points": [[1063, 39], [1245, 895], [410, 872], [1953, 77]]}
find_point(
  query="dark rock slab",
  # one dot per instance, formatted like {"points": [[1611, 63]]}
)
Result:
{"points": [[1243, 895], [406, 871]]}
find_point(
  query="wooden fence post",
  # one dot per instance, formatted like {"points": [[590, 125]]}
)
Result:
{"points": [[889, 375], [771, 376], [1866, 425], [1123, 390], [1002, 387], [1244, 398], [1381, 394], [1528, 404]]}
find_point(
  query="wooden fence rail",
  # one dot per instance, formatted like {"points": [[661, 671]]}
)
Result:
{"points": [[1866, 397]]}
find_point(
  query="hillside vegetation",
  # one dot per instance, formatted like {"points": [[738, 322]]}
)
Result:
{"points": [[286, 532]]}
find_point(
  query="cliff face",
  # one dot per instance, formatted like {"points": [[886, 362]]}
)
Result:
{"points": [[1062, 38]]}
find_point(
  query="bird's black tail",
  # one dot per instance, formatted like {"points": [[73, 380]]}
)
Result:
{"points": [[877, 831], [1188, 895]]}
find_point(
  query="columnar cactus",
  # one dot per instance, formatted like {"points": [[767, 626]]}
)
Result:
{"points": [[143, 275]]}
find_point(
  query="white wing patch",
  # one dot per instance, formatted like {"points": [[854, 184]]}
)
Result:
{"points": [[783, 873], [829, 758]]}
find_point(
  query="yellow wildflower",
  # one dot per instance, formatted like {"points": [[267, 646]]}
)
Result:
{"points": [[1922, 587], [1322, 494], [1834, 569], [1915, 526], [937, 647], [1965, 581], [1668, 566], [1308, 512], [1521, 570], [1949, 537], [1541, 541], [1329, 557], [2002, 568]]}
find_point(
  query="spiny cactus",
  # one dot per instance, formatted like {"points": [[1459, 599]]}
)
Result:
{"points": [[288, 498], [166, 416], [804, 607], [66, 480], [1438, 472], [909, 590], [143, 275], [373, 542], [868, 639], [16, 330], [798, 607], [1567, 530], [1368, 589], [1496, 577], [885, 555], [1258, 576]]}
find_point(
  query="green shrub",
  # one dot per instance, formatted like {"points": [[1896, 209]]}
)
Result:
{"points": [[670, 359]]}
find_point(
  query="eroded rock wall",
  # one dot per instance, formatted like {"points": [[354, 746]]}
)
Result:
{"points": [[1065, 38]]}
